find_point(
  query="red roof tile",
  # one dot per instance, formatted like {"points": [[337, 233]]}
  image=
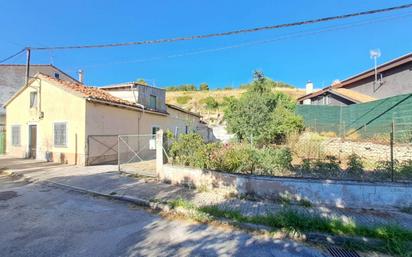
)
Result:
{"points": [[91, 93]]}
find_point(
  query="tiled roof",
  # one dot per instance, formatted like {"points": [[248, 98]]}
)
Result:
{"points": [[349, 81], [92, 93], [12, 78], [352, 95]]}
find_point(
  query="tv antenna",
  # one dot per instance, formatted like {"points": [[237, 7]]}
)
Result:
{"points": [[375, 54]]}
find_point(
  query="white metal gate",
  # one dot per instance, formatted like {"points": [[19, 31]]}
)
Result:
{"points": [[137, 154]]}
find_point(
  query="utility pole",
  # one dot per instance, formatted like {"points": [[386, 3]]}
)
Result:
{"points": [[28, 53]]}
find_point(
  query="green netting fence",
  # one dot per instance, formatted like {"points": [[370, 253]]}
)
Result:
{"points": [[372, 119]]}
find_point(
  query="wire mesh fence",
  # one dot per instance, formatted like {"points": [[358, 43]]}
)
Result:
{"points": [[381, 153], [383, 157], [137, 154]]}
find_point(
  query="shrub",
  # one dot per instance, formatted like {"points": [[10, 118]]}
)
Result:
{"points": [[210, 102], [355, 164], [275, 160], [405, 169], [328, 166], [237, 158], [204, 87], [190, 150], [183, 99]]}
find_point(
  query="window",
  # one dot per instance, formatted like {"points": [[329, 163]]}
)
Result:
{"points": [[57, 75], [33, 99], [152, 102], [186, 129], [60, 134], [154, 131], [176, 132], [15, 135]]}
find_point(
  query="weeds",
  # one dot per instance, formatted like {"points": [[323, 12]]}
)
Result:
{"points": [[305, 203], [396, 240]]}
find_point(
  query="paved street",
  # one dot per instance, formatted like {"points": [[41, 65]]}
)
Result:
{"points": [[39, 220]]}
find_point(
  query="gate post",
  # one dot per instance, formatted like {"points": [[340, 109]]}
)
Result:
{"points": [[159, 154]]}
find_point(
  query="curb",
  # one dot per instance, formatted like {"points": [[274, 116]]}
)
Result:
{"points": [[311, 237], [124, 198]]}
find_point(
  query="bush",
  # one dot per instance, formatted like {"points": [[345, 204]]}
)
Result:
{"points": [[355, 165], [190, 150], [328, 166], [204, 87], [183, 99], [405, 170], [210, 102], [237, 158], [275, 160]]}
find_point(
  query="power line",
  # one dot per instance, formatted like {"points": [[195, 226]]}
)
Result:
{"points": [[12, 56], [251, 43], [228, 33]]}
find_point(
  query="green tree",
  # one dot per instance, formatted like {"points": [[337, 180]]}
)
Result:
{"points": [[261, 115], [142, 82], [204, 87]]}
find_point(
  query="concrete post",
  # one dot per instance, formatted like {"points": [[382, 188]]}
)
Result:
{"points": [[160, 160]]}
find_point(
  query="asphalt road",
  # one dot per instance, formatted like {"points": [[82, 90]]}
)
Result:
{"points": [[39, 220]]}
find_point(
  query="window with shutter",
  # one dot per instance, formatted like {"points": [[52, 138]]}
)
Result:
{"points": [[15, 135], [60, 134]]}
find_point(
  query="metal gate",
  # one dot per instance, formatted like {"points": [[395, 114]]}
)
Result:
{"points": [[102, 149], [137, 154]]}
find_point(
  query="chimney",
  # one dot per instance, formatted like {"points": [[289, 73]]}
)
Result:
{"points": [[81, 75], [309, 90]]}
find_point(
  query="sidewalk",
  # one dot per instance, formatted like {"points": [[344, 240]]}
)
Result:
{"points": [[107, 181]]}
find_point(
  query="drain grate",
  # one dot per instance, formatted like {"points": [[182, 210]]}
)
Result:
{"points": [[339, 252]]}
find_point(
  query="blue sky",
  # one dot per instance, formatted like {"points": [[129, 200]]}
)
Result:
{"points": [[321, 53]]}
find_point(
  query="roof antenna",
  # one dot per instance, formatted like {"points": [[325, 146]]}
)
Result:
{"points": [[375, 54]]}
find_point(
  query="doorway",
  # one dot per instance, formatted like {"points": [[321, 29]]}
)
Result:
{"points": [[32, 141]]}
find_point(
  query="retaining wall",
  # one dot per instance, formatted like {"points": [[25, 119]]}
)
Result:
{"points": [[323, 192]]}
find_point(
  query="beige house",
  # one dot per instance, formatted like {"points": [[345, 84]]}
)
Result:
{"points": [[52, 119]]}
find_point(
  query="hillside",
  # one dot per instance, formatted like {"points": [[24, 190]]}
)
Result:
{"points": [[195, 101]]}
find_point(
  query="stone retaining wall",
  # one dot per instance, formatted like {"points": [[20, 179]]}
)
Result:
{"points": [[322, 192]]}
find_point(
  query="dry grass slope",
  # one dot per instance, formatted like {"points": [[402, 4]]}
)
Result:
{"points": [[192, 100]]}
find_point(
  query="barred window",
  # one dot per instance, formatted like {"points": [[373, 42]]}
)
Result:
{"points": [[60, 134], [15, 135]]}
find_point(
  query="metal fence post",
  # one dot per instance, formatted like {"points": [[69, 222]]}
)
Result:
{"points": [[392, 160], [118, 153]]}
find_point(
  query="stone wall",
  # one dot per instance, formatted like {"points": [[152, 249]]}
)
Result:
{"points": [[367, 150], [321, 192]]}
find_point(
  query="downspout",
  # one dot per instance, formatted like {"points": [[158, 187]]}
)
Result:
{"points": [[140, 105]]}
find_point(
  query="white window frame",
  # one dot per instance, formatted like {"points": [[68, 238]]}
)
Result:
{"points": [[34, 104], [19, 135], [67, 134]]}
